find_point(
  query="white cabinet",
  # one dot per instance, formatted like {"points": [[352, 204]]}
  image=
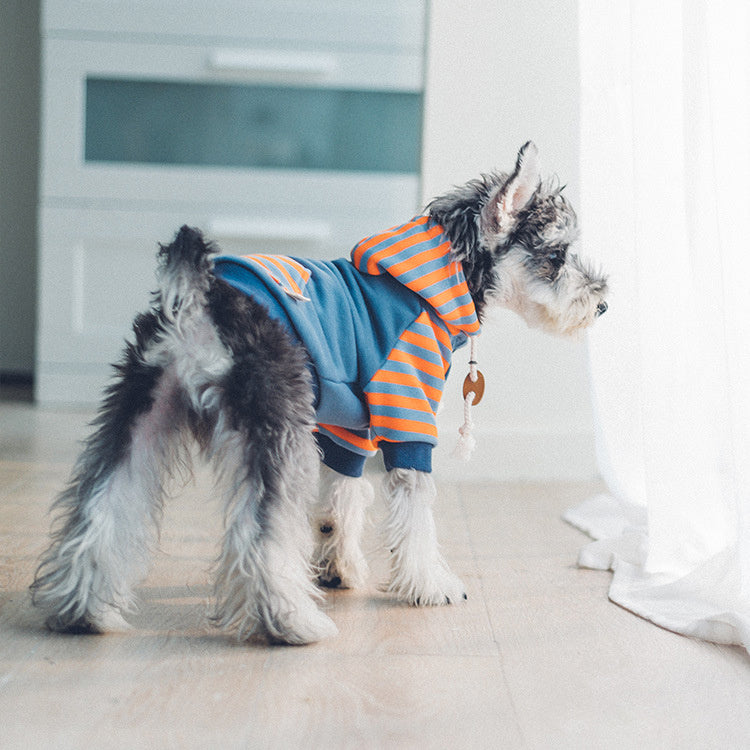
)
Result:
{"points": [[290, 127]]}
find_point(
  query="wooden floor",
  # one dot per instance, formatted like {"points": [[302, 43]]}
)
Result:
{"points": [[537, 657]]}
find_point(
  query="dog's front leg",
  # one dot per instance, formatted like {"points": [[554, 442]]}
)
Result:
{"points": [[338, 522], [419, 575]]}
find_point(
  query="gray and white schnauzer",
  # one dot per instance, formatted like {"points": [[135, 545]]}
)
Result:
{"points": [[271, 363]]}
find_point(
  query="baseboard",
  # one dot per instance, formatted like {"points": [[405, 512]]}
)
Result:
{"points": [[15, 378], [16, 386]]}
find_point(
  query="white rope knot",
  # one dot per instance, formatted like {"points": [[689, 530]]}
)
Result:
{"points": [[467, 442]]}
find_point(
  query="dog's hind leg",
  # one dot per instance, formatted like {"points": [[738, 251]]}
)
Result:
{"points": [[338, 522], [264, 441], [419, 575], [264, 577], [109, 513]]}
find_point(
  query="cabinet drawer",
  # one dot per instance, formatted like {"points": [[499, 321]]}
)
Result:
{"points": [[97, 266], [388, 24], [97, 271]]}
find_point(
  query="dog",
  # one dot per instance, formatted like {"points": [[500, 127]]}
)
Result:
{"points": [[236, 356]]}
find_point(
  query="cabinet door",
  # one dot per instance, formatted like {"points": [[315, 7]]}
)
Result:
{"points": [[96, 271]]}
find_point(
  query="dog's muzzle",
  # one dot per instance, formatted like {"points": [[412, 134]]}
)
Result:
{"points": [[601, 308]]}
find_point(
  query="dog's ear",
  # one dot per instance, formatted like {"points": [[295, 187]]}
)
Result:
{"points": [[501, 210]]}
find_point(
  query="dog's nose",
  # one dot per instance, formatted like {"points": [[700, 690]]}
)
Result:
{"points": [[601, 308]]}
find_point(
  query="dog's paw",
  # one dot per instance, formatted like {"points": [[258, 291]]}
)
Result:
{"points": [[445, 588], [298, 628], [328, 578], [338, 560], [342, 574], [434, 588], [107, 620]]}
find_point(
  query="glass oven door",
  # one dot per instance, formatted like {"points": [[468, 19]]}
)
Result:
{"points": [[180, 123]]}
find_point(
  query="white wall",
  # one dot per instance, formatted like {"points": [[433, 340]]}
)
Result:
{"points": [[500, 73], [19, 112]]}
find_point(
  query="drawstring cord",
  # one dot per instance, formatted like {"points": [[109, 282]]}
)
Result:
{"points": [[473, 391]]}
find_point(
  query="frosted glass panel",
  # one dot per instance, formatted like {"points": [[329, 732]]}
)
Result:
{"points": [[252, 126]]}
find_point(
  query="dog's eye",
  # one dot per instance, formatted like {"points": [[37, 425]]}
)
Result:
{"points": [[557, 256], [549, 263]]}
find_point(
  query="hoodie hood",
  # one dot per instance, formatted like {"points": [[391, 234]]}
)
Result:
{"points": [[418, 255]]}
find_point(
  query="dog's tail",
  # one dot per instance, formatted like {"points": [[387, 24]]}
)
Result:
{"points": [[184, 271]]}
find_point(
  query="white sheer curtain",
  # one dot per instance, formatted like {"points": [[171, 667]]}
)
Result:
{"points": [[666, 206]]}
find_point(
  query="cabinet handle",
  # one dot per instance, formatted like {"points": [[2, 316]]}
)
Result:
{"points": [[263, 62], [308, 232]]}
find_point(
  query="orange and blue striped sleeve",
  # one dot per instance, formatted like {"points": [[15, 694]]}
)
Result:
{"points": [[403, 395]]}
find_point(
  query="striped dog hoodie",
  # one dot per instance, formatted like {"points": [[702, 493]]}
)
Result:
{"points": [[379, 330]]}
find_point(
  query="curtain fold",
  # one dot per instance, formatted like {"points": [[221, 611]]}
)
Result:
{"points": [[665, 175]]}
